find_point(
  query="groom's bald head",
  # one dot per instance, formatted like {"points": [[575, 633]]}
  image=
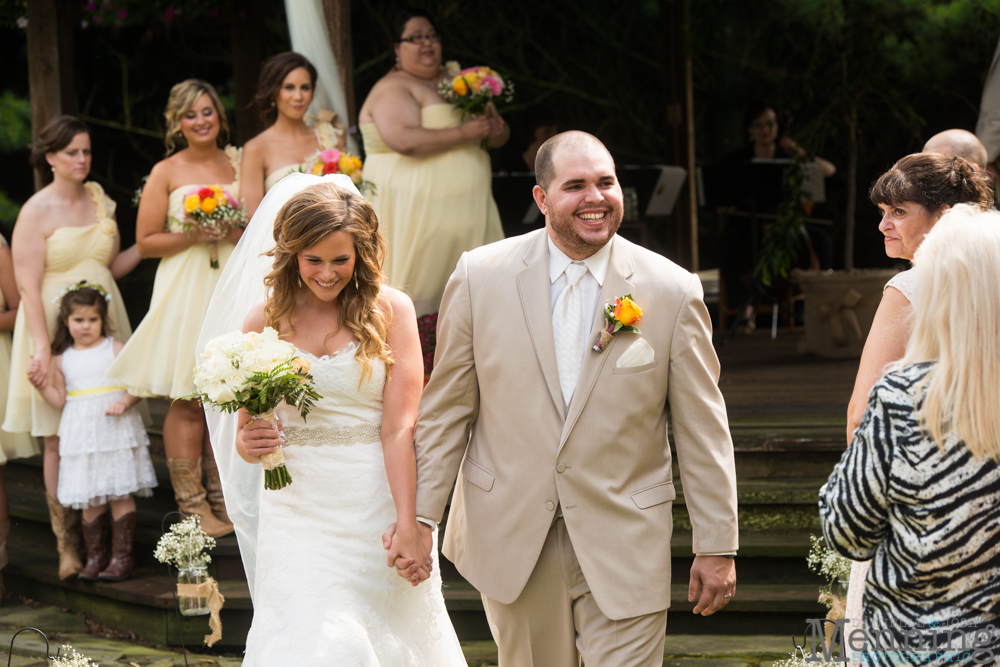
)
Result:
{"points": [[574, 140]]}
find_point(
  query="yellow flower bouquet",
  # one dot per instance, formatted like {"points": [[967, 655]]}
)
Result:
{"points": [[213, 208]]}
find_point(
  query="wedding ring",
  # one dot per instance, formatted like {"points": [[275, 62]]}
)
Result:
{"points": [[726, 596], [429, 563]]}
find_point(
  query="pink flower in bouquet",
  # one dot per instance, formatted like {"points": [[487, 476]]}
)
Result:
{"points": [[494, 83], [329, 155]]}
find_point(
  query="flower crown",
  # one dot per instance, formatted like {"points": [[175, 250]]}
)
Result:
{"points": [[83, 284]]}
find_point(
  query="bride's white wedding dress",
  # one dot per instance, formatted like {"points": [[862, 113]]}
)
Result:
{"points": [[322, 592]]}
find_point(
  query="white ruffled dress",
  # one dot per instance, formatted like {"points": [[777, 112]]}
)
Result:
{"points": [[102, 457]]}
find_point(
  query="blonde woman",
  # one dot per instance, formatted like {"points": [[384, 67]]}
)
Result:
{"points": [[284, 93], [159, 359], [322, 591], [919, 489], [64, 234]]}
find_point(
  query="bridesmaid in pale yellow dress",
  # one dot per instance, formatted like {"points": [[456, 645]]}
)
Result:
{"points": [[159, 359], [284, 93], [433, 187], [12, 445], [64, 234]]}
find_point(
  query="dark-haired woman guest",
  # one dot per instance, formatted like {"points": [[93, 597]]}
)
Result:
{"points": [[918, 490], [64, 234], [284, 92], [433, 186], [911, 197], [159, 360]]}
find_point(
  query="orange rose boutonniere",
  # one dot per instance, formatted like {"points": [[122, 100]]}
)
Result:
{"points": [[623, 315]]}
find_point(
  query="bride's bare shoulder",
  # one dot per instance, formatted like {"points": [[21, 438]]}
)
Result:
{"points": [[398, 302], [255, 320]]}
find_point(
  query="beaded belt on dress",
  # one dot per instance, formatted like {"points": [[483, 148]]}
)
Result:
{"points": [[333, 435]]}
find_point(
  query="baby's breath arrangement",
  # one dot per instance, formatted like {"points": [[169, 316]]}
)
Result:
{"points": [[794, 660], [70, 658], [826, 562], [183, 547]]}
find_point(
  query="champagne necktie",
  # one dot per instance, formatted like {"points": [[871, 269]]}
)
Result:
{"points": [[569, 331]]}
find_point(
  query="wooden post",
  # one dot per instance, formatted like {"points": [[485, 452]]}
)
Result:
{"points": [[248, 52], [338, 27], [50, 64], [679, 98]]}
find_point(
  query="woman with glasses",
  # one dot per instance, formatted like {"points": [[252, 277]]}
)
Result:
{"points": [[433, 193]]}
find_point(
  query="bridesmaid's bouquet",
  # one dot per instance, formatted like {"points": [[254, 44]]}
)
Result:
{"points": [[214, 208], [333, 161], [472, 89], [256, 372]]}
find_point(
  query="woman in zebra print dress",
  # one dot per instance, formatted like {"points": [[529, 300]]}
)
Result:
{"points": [[918, 491]]}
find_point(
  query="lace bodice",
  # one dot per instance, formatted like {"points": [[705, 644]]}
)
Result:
{"points": [[348, 400], [906, 283]]}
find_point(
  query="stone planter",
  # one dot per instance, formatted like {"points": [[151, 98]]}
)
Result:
{"points": [[839, 309]]}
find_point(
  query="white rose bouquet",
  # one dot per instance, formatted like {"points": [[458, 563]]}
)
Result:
{"points": [[255, 371]]}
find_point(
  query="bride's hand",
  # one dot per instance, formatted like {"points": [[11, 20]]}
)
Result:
{"points": [[410, 551], [256, 439]]}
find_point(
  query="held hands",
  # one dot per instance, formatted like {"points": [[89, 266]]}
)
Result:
{"points": [[38, 368], [715, 576], [409, 551]]}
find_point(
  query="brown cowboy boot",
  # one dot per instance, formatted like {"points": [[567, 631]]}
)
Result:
{"points": [[213, 487], [66, 526], [185, 476], [95, 534], [4, 534], [122, 538]]}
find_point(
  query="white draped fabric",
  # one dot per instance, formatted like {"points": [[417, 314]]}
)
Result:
{"points": [[307, 28], [240, 288]]}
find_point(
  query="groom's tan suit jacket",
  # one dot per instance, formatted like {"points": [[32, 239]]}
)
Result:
{"points": [[493, 416]]}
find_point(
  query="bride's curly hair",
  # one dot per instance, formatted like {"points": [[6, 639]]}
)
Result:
{"points": [[304, 221]]}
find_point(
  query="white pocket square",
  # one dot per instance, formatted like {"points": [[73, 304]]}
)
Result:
{"points": [[639, 353]]}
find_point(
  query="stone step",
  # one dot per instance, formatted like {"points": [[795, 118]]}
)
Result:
{"points": [[766, 595]]}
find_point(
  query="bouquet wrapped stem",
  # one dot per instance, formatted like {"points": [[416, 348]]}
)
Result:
{"points": [[276, 475], [213, 254]]}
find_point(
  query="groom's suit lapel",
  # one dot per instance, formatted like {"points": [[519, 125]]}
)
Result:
{"points": [[534, 287], [616, 284]]}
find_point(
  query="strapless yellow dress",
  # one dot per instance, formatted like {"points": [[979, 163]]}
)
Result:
{"points": [[159, 359], [326, 137], [12, 445], [430, 209], [72, 254]]}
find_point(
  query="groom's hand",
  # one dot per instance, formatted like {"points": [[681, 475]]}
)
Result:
{"points": [[715, 577], [409, 568]]}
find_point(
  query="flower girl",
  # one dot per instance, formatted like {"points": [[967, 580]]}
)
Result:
{"points": [[104, 448]]}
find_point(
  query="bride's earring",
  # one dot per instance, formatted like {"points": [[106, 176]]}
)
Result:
{"points": [[356, 288], [298, 279]]}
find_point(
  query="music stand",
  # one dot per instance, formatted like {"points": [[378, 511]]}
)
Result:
{"points": [[751, 186]]}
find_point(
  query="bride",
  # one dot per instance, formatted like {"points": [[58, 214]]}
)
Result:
{"points": [[322, 592]]}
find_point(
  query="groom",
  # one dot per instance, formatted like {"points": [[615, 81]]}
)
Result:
{"points": [[561, 516]]}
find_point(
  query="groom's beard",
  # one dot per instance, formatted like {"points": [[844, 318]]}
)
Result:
{"points": [[565, 229]]}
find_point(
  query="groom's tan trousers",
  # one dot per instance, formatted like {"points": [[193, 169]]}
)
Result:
{"points": [[556, 621]]}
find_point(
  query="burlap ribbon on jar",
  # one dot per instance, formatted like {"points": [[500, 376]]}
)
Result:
{"points": [[838, 609], [207, 589], [838, 313]]}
